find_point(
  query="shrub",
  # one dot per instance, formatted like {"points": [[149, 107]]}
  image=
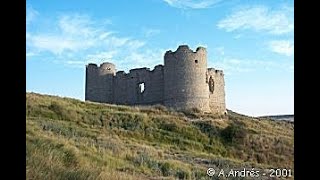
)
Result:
{"points": [[207, 128], [181, 174], [192, 113], [234, 133], [165, 168]]}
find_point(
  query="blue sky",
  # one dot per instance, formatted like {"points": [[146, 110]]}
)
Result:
{"points": [[251, 40]]}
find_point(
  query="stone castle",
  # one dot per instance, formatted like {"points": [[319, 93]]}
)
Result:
{"points": [[184, 82]]}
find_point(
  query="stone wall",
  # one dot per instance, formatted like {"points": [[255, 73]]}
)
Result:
{"points": [[127, 89], [92, 83], [215, 79], [183, 83]]}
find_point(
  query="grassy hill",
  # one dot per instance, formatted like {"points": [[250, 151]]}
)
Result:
{"points": [[71, 139]]}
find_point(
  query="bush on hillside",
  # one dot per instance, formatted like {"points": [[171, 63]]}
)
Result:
{"points": [[234, 133]]}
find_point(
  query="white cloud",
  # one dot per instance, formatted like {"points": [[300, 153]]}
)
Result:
{"points": [[150, 32], [260, 18], [193, 4], [238, 36], [75, 62], [30, 54], [31, 14], [76, 40], [75, 25], [283, 47], [135, 44], [105, 35], [235, 65], [146, 58], [101, 57], [72, 33], [72, 63], [220, 50], [57, 44], [291, 68], [116, 41], [78, 33]]}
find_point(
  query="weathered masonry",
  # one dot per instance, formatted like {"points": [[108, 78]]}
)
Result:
{"points": [[183, 82]]}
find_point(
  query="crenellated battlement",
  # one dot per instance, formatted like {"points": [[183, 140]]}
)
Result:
{"points": [[215, 71], [185, 49], [92, 65], [110, 67]]}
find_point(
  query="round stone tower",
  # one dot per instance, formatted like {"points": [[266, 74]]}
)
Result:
{"points": [[185, 85], [107, 68], [106, 73]]}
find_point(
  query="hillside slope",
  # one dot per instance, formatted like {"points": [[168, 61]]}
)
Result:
{"points": [[71, 139]]}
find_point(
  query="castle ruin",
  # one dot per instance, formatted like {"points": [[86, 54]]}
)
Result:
{"points": [[184, 82]]}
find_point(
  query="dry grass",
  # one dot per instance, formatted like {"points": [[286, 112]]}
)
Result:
{"points": [[70, 139]]}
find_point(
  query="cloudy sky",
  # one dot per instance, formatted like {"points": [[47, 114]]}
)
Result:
{"points": [[251, 40]]}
